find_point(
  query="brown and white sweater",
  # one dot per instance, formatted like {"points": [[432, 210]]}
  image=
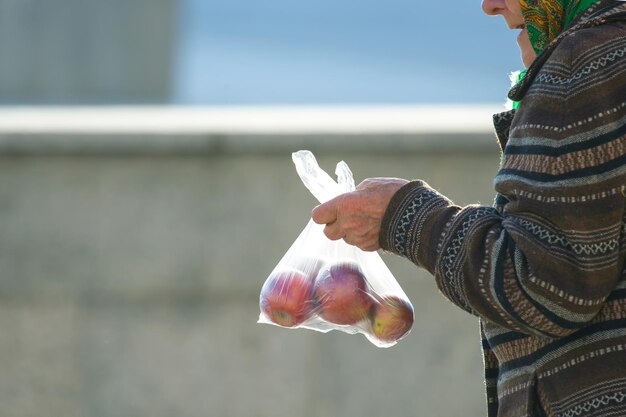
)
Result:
{"points": [[544, 267]]}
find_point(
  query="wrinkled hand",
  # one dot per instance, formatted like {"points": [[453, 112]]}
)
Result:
{"points": [[356, 216]]}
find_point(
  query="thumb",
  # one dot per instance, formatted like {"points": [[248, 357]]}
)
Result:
{"points": [[324, 213]]}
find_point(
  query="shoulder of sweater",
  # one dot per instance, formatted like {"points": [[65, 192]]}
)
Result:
{"points": [[588, 43], [580, 87]]}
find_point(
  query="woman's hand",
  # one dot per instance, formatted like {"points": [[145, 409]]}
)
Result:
{"points": [[356, 216]]}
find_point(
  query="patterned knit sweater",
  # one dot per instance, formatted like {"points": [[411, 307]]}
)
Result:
{"points": [[544, 267]]}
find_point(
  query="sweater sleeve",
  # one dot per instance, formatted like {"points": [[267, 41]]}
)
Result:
{"points": [[545, 260]]}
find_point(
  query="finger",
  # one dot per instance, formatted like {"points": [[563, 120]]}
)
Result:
{"points": [[333, 232], [370, 247], [364, 245], [365, 242], [325, 213]]}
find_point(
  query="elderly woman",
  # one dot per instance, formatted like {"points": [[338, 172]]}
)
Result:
{"points": [[544, 268]]}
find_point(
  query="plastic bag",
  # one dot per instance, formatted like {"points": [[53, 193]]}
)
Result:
{"points": [[325, 285]]}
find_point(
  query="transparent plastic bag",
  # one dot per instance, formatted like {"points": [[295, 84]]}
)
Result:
{"points": [[324, 285]]}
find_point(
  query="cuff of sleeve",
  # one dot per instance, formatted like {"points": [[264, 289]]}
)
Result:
{"points": [[404, 225]]}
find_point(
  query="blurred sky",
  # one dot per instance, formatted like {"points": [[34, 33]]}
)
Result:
{"points": [[341, 51]]}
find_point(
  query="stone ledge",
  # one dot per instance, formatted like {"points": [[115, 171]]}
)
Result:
{"points": [[207, 130]]}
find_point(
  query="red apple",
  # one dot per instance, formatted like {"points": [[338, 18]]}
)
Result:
{"points": [[392, 318], [286, 298], [342, 295]]}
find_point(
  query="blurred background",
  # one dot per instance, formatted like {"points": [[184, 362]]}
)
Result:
{"points": [[221, 52], [147, 190]]}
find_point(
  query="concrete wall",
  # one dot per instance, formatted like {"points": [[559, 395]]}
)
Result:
{"points": [[86, 51], [130, 279]]}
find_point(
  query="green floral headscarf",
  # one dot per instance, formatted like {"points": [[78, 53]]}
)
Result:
{"points": [[545, 19]]}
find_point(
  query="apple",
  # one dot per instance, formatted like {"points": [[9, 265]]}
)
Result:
{"points": [[391, 318], [342, 293], [286, 298]]}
